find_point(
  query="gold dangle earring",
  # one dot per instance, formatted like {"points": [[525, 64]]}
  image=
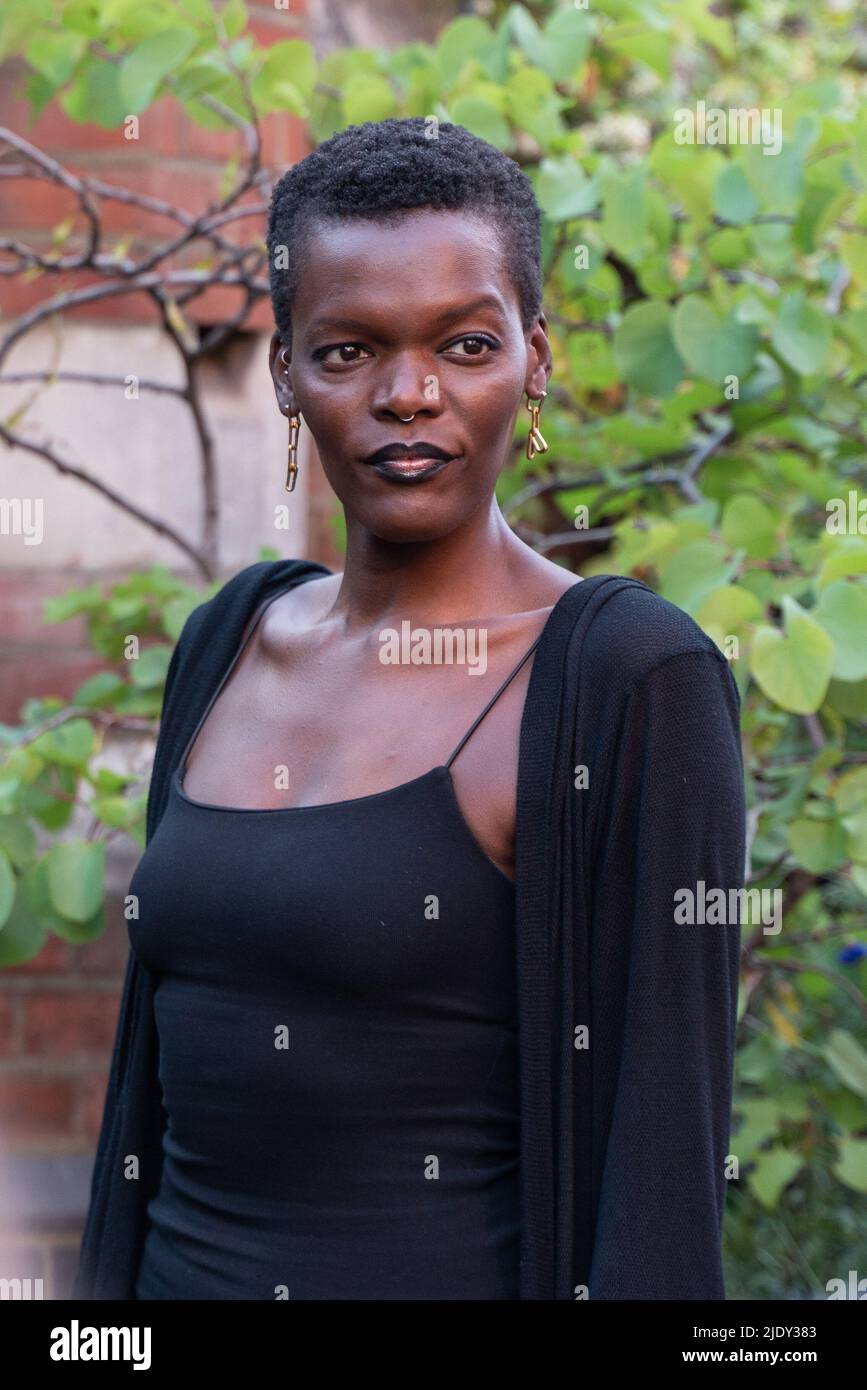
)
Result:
{"points": [[536, 443], [292, 466]]}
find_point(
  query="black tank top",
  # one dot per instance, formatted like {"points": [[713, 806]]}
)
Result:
{"points": [[336, 1004]]}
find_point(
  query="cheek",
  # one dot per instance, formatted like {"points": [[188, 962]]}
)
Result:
{"points": [[486, 402]]}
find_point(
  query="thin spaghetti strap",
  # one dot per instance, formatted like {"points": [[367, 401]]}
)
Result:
{"points": [[497, 693], [226, 674]]}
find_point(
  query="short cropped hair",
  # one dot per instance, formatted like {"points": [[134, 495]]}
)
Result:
{"points": [[382, 168]]}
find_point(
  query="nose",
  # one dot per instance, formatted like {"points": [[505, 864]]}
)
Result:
{"points": [[407, 391]]}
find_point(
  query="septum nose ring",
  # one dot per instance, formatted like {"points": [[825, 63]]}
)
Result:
{"points": [[408, 418]]}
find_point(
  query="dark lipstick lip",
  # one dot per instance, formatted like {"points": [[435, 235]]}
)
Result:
{"points": [[392, 471], [421, 448]]}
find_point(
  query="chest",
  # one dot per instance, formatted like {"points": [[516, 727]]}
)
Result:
{"points": [[314, 727]]}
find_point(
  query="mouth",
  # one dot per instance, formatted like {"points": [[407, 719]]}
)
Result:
{"points": [[409, 463]]}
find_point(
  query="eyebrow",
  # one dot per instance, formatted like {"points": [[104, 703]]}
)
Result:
{"points": [[484, 301]]}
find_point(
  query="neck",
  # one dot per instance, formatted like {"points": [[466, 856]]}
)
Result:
{"points": [[476, 571]]}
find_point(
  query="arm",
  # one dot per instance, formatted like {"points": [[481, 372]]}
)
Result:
{"points": [[672, 819]]}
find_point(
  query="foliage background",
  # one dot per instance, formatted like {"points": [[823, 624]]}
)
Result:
{"points": [[707, 305]]}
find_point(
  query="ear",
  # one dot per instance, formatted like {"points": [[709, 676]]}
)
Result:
{"points": [[280, 363], [540, 362]]}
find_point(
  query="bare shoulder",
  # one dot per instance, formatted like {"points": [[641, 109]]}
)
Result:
{"points": [[298, 609], [547, 582]]}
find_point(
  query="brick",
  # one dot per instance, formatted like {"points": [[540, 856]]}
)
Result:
{"points": [[92, 1091], [279, 139], [133, 307], [42, 672], [269, 25], [55, 132], [107, 955], [34, 1107], [22, 595], [64, 1023], [52, 959], [190, 186], [10, 1033], [34, 202]]}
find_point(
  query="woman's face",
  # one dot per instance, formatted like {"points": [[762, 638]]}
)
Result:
{"points": [[410, 317]]}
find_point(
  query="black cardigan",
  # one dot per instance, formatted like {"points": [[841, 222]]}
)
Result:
{"points": [[624, 1126]]}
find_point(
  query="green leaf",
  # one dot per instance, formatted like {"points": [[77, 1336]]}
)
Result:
{"points": [[84, 16], [842, 612], [98, 691], [773, 1172], [203, 75], [233, 16], [290, 63], [482, 119], [694, 572], [802, 334], [368, 99], [850, 793], [560, 49], [642, 44], [55, 54], [76, 870], [626, 212], [105, 780], [114, 810], [38, 892], [144, 68], [847, 1059], [713, 347], [749, 525], [848, 698], [534, 106], [18, 839], [818, 845], [761, 1119], [733, 196], [563, 189], [710, 28], [22, 936], [853, 254], [71, 743], [95, 96], [7, 886], [847, 559], [851, 1168], [856, 836], [793, 669], [72, 604], [568, 36], [727, 610], [645, 352], [151, 667], [461, 39]]}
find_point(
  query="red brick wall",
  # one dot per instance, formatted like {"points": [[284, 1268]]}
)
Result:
{"points": [[174, 160]]}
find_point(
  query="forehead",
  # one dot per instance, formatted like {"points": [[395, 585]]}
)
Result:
{"points": [[419, 262]]}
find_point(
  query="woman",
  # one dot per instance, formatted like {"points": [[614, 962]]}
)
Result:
{"points": [[408, 1013]]}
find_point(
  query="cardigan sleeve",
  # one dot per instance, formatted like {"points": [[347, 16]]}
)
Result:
{"points": [[115, 1215], [672, 831]]}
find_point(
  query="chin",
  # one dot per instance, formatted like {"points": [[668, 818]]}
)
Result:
{"points": [[410, 522], [412, 513]]}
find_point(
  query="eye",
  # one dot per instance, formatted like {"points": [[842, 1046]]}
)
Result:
{"points": [[321, 354], [477, 340]]}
